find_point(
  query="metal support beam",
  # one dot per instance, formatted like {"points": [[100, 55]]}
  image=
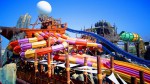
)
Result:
{"points": [[137, 49], [49, 60], [133, 80], [85, 73], [35, 66], [126, 46], [67, 69], [99, 68], [112, 66], [141, 74]]}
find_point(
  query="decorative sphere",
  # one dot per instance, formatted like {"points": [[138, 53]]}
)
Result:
{"points": [[44, 8]]}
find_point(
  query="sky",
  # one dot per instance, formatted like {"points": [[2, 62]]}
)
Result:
{"points": [[127, 15]]}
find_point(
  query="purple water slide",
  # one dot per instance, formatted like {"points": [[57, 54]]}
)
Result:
{"points": [[99, 45], [81, 62], [58, 35], [71, 42], [42, 34], [54, 39], [26, 46], [22, 54], [59, 41], [46, 32], [129, 70], [23, 41], [57, 47], [51, 33]]}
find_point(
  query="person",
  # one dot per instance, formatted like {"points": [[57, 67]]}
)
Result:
{"points": [[147, 53]]}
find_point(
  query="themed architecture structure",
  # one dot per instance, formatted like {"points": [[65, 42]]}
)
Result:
{"points": [[106, 30]]}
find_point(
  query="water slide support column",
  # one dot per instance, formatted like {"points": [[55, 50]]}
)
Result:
{"points": [[141, 74], [53, 73], [137, 49], [42, 68], [133, 80], [126, 46], [67, 68], [36, 66], [52, 67], [112, 66], [49, 60], [95, 52], [85, 73], [99, 71]]}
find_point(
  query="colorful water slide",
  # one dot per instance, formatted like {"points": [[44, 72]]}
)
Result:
{"points": [[38, 37], [35, 42], [24, 46], [30, 52], [126, 70], [114, 47], [128, 36], [28, 49], [23, 41]]}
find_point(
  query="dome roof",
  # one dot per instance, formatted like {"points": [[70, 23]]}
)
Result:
{"points": [[100, 23], [107, 24]]}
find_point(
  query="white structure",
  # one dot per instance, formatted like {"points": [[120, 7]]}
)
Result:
{"points": [[44, 8]]}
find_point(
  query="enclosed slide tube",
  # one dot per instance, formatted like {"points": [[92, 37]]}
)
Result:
{"points": [[23, 41], [32, 43], [30, 53], [39, 37], [131, 37], [43, 43], [114, 47]]}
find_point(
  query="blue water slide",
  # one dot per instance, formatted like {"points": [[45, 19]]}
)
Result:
{"points": [[111, 45]]}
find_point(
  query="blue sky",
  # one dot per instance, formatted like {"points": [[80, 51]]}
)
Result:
{"points": [[128, 15]]}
